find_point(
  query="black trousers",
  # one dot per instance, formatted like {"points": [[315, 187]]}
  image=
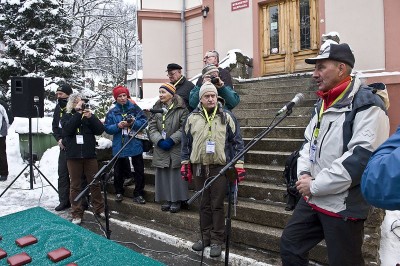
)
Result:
{"points": [[63, 178], [122, 169], [307, 228], [3, 157]]}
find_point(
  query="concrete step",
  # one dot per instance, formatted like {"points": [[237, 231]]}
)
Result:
{"points": [[304, 80], [272, 144], [254, 88], [266, 157], [294, 121], [262, 173], [274, 97], [245, 230], [260, 112], [286, 132], [254, 104]]}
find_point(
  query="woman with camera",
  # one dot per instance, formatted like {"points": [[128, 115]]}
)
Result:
{"points": [[79, 127], [165, 131], [122, 121], [210, 73]]}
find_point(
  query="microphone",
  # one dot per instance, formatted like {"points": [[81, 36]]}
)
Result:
{"points": [[296, 100], [157, 111]]}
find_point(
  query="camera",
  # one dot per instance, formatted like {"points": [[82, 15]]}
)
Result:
{"points": [[129, 118], [215, 80], [85, 105]]}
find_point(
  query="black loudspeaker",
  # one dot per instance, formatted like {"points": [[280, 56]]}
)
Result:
{"points": [[27, 97]]}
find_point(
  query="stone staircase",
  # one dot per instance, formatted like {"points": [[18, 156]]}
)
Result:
{"points": [[260, 215]]}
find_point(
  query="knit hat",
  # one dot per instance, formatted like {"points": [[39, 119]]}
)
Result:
{"points": [[207, 87], [332, 50], [168, 87], [173, 66], [65, 88], [120, 89], [209, 69]]}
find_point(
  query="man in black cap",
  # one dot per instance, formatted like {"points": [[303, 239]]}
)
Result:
{"points": [[349, 122], [182, 85], [62, 94]]}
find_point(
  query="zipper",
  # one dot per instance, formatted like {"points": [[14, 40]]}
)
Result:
{"points": [[322, 141]]}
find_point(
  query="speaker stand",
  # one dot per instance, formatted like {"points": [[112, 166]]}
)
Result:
{"points": [[30, 165]]}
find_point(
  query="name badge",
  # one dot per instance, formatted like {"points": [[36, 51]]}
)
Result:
{"points": [[164, 134], [79, 139], [210, 147], [313, 152], [125, 131]]}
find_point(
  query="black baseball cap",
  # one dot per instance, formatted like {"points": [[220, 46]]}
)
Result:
{"points": [[338, 52]]}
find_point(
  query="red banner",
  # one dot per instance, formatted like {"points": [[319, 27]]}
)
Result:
{"points": [[237, 5]]}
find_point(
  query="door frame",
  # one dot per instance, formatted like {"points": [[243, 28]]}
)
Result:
{"points": [[290, 58]]}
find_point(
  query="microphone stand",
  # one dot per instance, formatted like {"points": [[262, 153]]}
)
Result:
{"points": [[106, 176], [229, 166]]}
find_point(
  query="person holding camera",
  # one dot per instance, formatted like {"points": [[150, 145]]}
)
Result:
{"points": [[79, 128], [210, 73], [122, 121], [212, 58], [166, 131]]}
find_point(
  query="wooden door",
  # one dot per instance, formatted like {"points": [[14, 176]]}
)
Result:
{"points": [[289, 34]]}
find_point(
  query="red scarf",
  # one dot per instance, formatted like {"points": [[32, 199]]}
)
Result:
{"points": [[330, 96]]}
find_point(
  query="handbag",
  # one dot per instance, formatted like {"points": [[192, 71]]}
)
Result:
{"points": [[147, 144]]}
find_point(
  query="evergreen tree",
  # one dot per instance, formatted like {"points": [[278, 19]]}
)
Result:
{"points": [[36, 35]]}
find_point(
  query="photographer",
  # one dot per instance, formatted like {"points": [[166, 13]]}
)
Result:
{"points": [[121, 122], [211, 74], [79, 127]]}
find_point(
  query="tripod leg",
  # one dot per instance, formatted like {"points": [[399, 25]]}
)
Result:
{"points": [[106, 210], [228, 223], [15, 179], [45, 178]]}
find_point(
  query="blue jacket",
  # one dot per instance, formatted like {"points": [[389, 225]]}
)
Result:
{"points": [[116, 115], [380, 183]]}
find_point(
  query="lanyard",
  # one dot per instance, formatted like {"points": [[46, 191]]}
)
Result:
{"points": [[210, 119], [165, 115], [321, 112], [62, 110], [178, 81]]}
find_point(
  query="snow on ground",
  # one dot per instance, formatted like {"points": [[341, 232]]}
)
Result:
{"points": [[20, 197]]}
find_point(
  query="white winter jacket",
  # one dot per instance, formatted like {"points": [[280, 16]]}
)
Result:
{"points": [[4, 123], [350, 131]]}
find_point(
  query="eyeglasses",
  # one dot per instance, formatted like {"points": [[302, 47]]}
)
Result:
{"points": [[208, 56], [171, 74]]}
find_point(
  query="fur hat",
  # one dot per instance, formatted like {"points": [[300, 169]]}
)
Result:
{"points": [[65, 88], [209, 69], [207, 87], [120, 89], [168, 87]]}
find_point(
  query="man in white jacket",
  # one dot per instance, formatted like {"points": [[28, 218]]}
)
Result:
{"points": [[4, 124], [349, 122]]}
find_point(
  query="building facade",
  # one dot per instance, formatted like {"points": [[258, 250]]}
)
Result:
{"points": [[277, 34]]}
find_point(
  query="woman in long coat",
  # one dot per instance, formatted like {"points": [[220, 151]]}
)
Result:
{"points": [[165, 132]]}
